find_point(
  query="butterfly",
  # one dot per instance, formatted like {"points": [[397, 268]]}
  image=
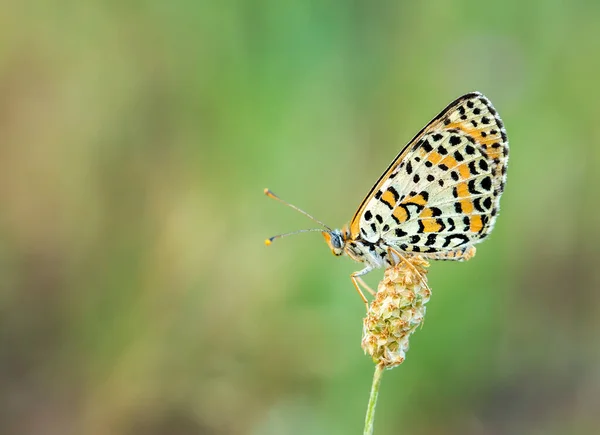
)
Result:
{"points": [[438, 198]]}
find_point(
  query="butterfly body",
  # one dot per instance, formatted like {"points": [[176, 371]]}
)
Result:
{"points": [[438, 198], [363, 251]]}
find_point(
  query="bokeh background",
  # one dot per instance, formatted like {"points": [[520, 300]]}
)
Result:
{"points": [[136, 295]]}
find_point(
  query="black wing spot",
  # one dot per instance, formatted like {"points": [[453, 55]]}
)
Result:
{"points": [[379, 218], [435, 211], [478, 206], [373, 227], [442, 150], [470, 150], [400, 233], [476, 111], [458, 156], [454, 140], [463, 239], [428, 164], [386, 228], [454, 175], [457, 207], [430, 240], [472, 185], [485, 120], [409, 168], [430, 178], [451, 222], [416, 178], [483, 165], [472, 167], [368, 215], [436, 137], [486, 183], [415, 239], [441, 182], [427, 146]]}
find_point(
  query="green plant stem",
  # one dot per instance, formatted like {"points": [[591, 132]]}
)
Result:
{"points": [[370, 417]]}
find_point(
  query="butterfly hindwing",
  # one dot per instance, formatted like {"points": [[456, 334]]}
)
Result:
{"points": [[442, 192]]}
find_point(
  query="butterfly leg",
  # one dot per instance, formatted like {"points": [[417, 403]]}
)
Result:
{"points": [[356, 279], [403, 258], [365, 286]]}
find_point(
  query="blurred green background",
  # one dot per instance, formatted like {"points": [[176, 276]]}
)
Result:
{"points": [[136, 294]]}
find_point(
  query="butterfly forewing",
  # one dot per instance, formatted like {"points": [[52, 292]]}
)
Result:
{"points": [[442, 192]]}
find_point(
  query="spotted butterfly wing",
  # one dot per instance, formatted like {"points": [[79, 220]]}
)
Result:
{"points": [[441, 194]]}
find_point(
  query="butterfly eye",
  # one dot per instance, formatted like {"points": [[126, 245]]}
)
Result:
{"points": [[337, 242]]}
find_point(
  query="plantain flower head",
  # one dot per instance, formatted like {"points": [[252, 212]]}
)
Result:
{"points": [[396, 311]]}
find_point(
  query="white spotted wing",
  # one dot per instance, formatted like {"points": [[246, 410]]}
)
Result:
{"points": [[441, 193]]}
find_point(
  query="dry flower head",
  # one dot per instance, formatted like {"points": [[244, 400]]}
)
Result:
{"points": [[396, 311]]}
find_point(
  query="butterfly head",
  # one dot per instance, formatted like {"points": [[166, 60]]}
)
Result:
{"points": [[336, 241]]}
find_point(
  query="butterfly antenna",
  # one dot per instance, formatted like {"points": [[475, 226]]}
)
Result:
{"points": [[272, 195], [270, 239]]}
